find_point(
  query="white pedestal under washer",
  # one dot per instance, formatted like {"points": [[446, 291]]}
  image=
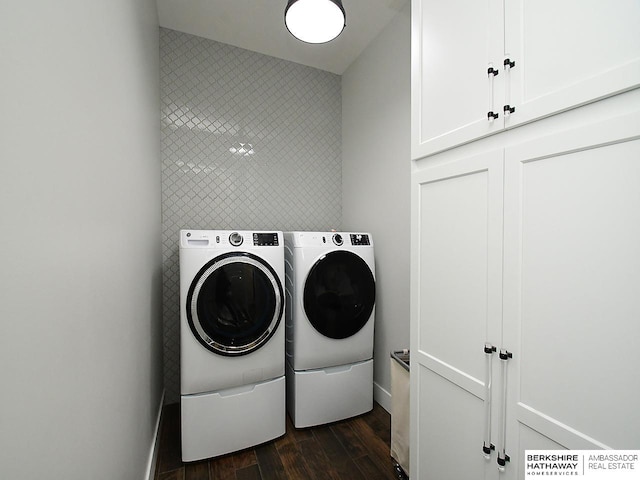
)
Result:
{"points": [[232, 338], [330, 289]]}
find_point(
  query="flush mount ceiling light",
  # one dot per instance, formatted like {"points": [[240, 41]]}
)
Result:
{"points": [[315, 21]]}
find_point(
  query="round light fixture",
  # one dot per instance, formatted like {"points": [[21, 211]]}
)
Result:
{"points": [[315, 21]]}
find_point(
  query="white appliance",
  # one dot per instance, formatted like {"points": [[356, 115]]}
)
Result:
{"points": [[330, 290], [232, 381]]}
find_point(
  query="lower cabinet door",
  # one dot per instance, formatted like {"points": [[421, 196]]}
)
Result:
{"points": [[533, 250], [572, 290], [456, 310]]}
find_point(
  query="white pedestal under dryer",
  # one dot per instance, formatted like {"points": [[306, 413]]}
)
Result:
{"points": [[232, 301], [330, 291]]}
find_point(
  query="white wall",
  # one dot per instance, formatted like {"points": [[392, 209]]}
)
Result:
{"points": [[80, 332], [376, 175]]}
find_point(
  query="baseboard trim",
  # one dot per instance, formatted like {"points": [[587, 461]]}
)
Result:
{"points": [[382, 396], [155, 446]]}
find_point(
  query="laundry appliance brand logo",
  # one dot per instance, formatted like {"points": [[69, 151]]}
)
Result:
{"points": [[583, 464]]}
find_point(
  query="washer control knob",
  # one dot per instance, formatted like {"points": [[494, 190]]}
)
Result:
{"points": [[337, 239], [235, 239]]}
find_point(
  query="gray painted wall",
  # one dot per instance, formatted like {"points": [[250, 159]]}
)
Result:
{"points": [[376, 175], [80, 331], [214, 97]]}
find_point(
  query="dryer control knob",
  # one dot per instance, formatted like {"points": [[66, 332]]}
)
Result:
{"points": [[337, 239], [235, 239]]}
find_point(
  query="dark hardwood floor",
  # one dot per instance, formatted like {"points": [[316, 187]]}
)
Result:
{"points": [[353, 449]]}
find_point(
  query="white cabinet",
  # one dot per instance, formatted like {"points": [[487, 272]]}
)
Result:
{"points": [[453, 44], [564, 53], [571, 289], [568, 53], [533, 249], [456, 302]]}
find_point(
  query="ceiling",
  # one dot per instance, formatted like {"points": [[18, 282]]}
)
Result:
{"points": [[258, 25]]}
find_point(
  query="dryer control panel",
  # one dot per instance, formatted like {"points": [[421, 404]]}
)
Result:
{"points": [[328, 239]]}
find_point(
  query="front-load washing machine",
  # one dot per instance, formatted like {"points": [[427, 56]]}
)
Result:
{"points": [[232, 340], [330, 291]]}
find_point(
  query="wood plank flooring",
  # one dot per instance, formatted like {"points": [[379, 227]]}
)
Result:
{"points": [[354, 449]]}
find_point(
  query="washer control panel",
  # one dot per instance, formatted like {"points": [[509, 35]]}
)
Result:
{"points": [[226, 238], [265, 239], [360, 239]]}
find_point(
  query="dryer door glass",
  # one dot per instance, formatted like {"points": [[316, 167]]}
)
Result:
{"points": [[235, 304], [339, 294]]}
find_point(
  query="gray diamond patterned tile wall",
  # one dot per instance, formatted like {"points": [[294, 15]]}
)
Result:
{"points": [[215, 96]]}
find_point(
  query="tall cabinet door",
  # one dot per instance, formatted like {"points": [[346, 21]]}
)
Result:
{"points": [[456, 309], [453, 44], [572, 290], [568, 53]]}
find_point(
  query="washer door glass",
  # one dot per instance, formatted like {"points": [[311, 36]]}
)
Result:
{"points": [[339, 294], [235, 304]]}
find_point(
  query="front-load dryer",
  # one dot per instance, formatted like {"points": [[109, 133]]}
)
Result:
{"points": [[331, 291], [232, 340]]}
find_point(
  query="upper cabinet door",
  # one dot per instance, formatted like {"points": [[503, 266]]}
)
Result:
{"points": [[568, 53], [454, 43], [547, 56]]}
